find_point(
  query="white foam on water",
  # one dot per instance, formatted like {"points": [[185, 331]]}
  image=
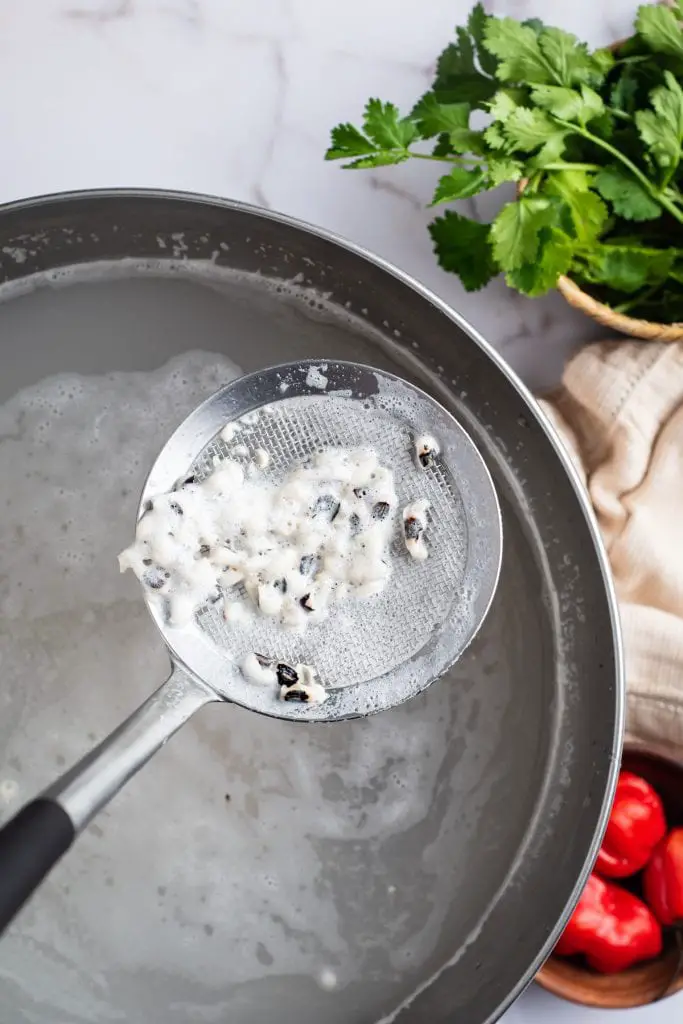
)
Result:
{"points": [[76, 450], [174, 879], [340, 851]]}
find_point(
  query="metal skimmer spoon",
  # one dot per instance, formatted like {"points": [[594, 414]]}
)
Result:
{"points": [[392, 646]]}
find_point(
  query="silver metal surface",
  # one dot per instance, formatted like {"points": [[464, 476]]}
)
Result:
{"points": [[392, 856], [386, 650], [429, 614], [87, 787]]}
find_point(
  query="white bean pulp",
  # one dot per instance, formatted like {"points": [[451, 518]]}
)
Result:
{"points": [[290, 548]]}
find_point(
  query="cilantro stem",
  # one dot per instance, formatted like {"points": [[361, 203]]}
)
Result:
{"points": [[665, 203], [468, 163], [620, 114], [638, 300], [571, 167], [432, 156]]}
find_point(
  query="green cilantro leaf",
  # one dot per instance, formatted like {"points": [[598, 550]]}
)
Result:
{"points": [[603, 62], [569, 59], [546, 57], [503, 104], [549, 153], [662, 130], [433, 118], [569, 104], [465, 46], [385, 139], [661, 29], [527, 128], [458, 78], [443, 145], [381, 158], [495, 138], [462, 246], [459, 184], [517, 48], [464, 140], [534, 23], [384, 125], [558, 100], [504, 169], [628, 197], [553, 259], [476, 26], [628, 268], [450, 120], [473, 88], [515, 233], [465, 70], [623, 94], [587, 212], [597, 137], [593, 105], [348, 141]]}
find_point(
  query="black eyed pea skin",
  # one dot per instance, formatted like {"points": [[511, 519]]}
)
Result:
{"points": [[308, 566], [299, 684], [355, 525], [155, 578], [200, 534], [426, 450], [286, 675], [328, 506], [413, 528], [296, 693]]}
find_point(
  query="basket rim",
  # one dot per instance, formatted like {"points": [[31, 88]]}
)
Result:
{"points": [[572, 293]]}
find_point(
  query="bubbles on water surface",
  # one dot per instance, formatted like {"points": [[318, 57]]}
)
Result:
{"points": [[339, 808]]}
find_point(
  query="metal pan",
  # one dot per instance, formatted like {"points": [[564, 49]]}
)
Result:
{"points": [[415, 867]]}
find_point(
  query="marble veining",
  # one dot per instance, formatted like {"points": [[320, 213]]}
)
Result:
{"points": [[237, 99]]}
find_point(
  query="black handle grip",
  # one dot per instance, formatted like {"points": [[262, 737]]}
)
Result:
{"points": [[30, 844]]}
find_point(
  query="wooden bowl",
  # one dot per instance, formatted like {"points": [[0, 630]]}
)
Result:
{"points": [[645, 983]]}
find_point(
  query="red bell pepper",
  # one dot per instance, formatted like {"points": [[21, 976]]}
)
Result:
{"points": [[663, 879], [612, 928], [636, 824]]}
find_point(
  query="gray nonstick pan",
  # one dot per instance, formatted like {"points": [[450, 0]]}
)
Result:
{"points": [[415, 866]]}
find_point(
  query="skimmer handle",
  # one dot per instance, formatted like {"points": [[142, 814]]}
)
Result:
{"points": [[33, 841], [30, 844]]}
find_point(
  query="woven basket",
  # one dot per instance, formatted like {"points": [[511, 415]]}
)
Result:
{"points": [[605, 315]]}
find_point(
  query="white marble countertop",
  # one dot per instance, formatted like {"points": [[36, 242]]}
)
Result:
{"points": [[237, 98]]}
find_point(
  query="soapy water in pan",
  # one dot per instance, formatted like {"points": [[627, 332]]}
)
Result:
{"points": [[345, 856], [362, 639]]}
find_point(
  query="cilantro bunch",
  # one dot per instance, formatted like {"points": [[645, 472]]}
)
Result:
{"points": [[591, 139]]}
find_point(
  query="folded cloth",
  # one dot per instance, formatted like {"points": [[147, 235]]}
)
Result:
{"points": [[619, 412]]}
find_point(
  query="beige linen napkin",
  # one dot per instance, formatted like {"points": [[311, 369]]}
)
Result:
{"points": [[619, 412]]}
